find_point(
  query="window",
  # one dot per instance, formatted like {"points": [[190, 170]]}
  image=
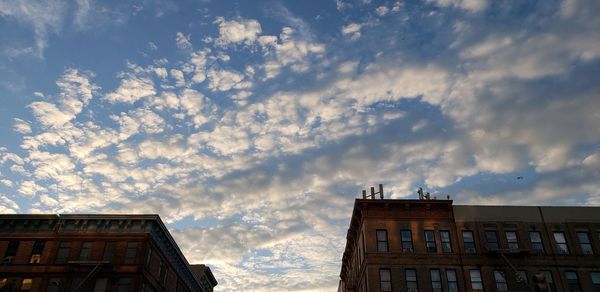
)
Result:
{"points": [[12, 248], [445, 238], [411, 280], [430, 241], [476, 282], [385, 280], [536, 241], [109, 251], [500, 281], [100, 285], [584, 243], [86, 249], [63, 252], [124, 285], [561, 243], [511, 238], [595, 280], [131, 252], [36, 252], [26, 284], [406, 237], [382, 242], [452, 280], [550, 281], [573, 281], [492, 239], [436, 280], [469, 242]]}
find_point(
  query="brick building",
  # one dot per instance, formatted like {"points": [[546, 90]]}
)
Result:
{"points": [[94, 253], [431, 245]]}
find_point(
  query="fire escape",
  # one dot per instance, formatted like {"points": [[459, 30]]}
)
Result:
{"points": [[506, 255], [88, 280]]}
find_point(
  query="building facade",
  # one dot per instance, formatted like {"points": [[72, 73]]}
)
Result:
{"points": [[431, 245], [94, 253]]}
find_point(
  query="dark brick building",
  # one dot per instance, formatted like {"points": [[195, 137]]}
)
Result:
{"points": [[431, 245], [94, 253]]}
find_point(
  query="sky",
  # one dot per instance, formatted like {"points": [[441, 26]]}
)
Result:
{"points": [[251, 126]]}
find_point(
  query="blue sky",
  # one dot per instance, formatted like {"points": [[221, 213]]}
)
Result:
{"points": [[251, 126]]}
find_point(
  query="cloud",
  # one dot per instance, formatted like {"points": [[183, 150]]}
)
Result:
{"points": [[183, 41], [237, 31], [292, 50], [76, 90], [352, 30], [132, 89], [44, 17], [382, 10], [225, 80], [469, 5], [22, 126]]}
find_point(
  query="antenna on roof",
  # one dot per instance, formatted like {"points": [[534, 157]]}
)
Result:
{"points": [[373, 193]]}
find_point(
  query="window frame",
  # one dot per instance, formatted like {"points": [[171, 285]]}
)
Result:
{"points": [[535, 244], [586, 247], [12, 248], [564, 243], [430, 244], [549, 280], [443, 243], [410, 280], [409, 248], [36, 252], [595, 280], [491, 245], [108, 254], [573, 283], [500, 280], [439, 285], [454, 282], [382, 281], [512, 244], [85, 251], [474, 283], [63, 252], [131, 252], [469, 244], [381, 241]]}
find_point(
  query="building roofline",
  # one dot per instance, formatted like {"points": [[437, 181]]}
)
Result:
{"points": [[151, 217]]}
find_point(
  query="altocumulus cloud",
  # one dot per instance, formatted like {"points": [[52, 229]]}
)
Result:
{"points": [[253, 137]]}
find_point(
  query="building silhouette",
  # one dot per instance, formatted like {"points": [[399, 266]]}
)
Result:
{"points": [[94, 253], [433, 245]]}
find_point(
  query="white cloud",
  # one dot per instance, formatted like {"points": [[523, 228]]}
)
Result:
{"points": [[225, 80], [22, 126], [30, 188], [131, 89], [178, 76], [183, 41], [292, 50], [352, 30], [44, 17], [196, 106], [237, 31], [76, 90], [382, 10], [8, 206], [469, 5]]}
